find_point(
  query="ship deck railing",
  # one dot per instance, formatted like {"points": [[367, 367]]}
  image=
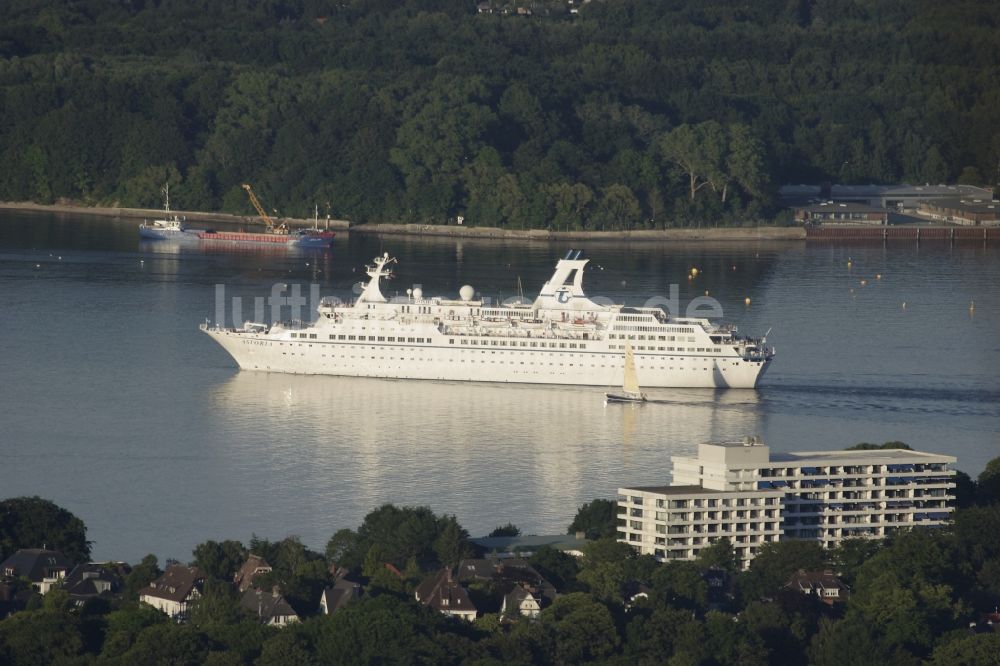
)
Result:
{"points": [[522, 333]]}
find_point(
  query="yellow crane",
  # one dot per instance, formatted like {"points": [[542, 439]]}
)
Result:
{"points": [[260, 209]]}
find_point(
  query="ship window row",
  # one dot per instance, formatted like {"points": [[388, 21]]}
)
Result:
{"points": [[379, 338], [311, 336], [661, 338], [493, 312], [533, 344], [653, 329]]}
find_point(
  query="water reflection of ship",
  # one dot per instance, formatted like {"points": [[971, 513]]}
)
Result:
{"points": [[477, 450]]}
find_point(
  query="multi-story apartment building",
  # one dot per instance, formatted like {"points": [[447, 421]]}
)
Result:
{"points": [[744, 493]]}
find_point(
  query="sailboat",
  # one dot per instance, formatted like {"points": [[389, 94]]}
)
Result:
{"points": [[630, 384]]}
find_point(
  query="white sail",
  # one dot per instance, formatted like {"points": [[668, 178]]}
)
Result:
{"points": [[631, 382]]}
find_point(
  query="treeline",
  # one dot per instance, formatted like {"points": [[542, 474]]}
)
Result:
{"points": [[640, 114]]}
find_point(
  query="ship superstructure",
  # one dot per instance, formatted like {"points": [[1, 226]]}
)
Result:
{"points": [[562, 337]]}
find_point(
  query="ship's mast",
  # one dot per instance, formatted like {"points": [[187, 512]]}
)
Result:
{"points": [[372, 293]]}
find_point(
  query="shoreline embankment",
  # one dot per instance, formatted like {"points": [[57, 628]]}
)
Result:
{"points": [[453, 231]]}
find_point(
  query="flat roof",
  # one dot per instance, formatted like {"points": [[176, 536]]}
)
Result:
{"points": [[902, 189], [530, 542], [668, 490], [842, 207], [826, 457], [970, 204], [695, 490]]}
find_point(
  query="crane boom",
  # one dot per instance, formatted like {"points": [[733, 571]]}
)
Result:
{"points": [[260, 209]]}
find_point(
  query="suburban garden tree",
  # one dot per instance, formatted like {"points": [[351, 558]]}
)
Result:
{"points": [[597, 519], [508, 530], [33, 522], [220, 560]]}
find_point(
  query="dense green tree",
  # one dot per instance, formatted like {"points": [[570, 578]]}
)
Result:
{"points": [[974, 649], [420, 111], [556, 566], [140, 576], [681, 585], [32, 522], [508, 530], [288, 647], [384, 629], [220, 560], [44, 636], [168, 643], [125, 625], [597, 519], [452, 544], [343, 549], [851, 554], [774, 564], [988, 483], [720, 555], [580, 628], [866, 446], [965, 490]]}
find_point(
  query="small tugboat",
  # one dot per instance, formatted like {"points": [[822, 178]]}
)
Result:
{"points": [[630, 385]]}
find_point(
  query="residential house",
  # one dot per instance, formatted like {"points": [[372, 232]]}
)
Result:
{"points": [[254, 566], [634, 593], [507, 575], [271, 608], [445, 595], [44, 568], [341, 593], [174, 591], [523, 601], [824, 584], [92, 580]]}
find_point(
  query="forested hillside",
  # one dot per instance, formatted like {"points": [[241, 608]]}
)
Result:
{"points": [[629, 114]]}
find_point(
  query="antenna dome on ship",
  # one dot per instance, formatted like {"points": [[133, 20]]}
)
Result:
{"points": [[418, 293], [466, 293]]}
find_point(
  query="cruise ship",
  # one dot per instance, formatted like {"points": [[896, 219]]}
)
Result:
{"points": [[563, 337]]}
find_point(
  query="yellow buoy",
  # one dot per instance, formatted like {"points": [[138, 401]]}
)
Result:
{"points": [[746, 301], [878, 276], [864, 282], [694, 272], [706, 292]]}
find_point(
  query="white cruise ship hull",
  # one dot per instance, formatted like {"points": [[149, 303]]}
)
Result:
{"points": [[563, 337], [443, 360]]}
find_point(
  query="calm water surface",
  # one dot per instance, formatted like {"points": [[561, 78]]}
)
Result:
{"points": [[114, 405]]}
